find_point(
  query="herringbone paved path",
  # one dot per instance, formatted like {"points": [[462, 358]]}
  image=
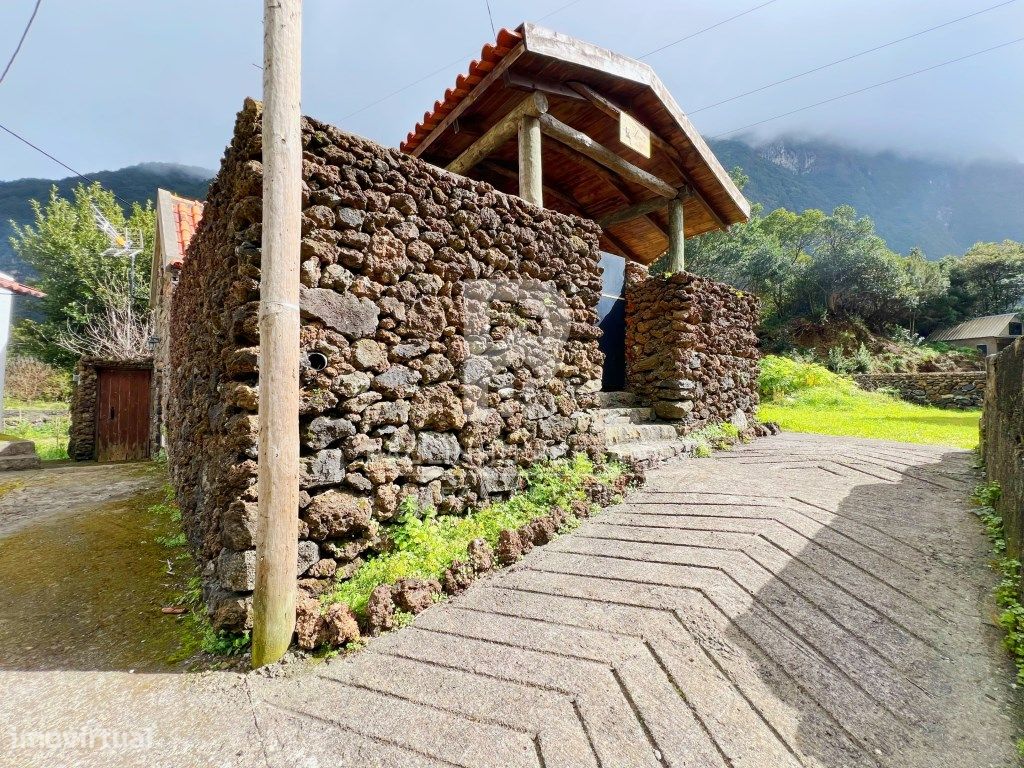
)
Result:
{"points": [[803, 601]]}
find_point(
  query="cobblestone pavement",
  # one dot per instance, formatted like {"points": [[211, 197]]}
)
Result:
{"points": [[802, 601]]}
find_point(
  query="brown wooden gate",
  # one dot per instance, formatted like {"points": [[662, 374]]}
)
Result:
{"points": [[122, 414]]}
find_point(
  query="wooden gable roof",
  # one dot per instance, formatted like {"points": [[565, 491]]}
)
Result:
{"points": [[586, 88]]}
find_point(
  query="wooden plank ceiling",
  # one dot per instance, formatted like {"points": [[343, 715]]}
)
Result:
{"points": [[584, 85]]}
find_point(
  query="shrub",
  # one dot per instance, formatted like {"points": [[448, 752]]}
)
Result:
{"points": [[30, 379], [781, 376], [424, 544]]}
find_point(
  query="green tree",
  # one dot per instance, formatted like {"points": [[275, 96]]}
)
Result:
{"points": [[69, 255], [928, 283], [989, 279]]}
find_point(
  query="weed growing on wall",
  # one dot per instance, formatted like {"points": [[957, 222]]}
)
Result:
{"points": [[1007, 592], [197, 633], [425, 544]]}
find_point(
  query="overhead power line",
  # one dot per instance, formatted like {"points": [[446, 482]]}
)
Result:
{"points": [[849, 58], [442, 68], [61, 163], [869, 87], [490, 17], [21, 40], [707, 29]]}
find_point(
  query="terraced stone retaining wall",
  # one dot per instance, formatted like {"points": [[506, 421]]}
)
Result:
{"points": [[449, 336], [691, 348], [953, 389], [1002, 440]]}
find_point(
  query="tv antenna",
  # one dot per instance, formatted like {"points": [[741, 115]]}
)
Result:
{"points": [[125, 245]]}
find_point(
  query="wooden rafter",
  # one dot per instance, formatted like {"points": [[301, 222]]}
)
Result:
{"points": [[502, 131], [599, 153], [611, 180], [675, 158]]}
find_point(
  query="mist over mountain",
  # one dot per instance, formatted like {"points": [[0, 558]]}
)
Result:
{"points": [[940, 205], [137, 183]]}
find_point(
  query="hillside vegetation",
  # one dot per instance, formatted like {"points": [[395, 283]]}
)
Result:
{"points": [[135, 184], [940, 206]]}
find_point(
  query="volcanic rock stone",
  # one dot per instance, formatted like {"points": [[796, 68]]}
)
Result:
{"points": [[355, 317]]}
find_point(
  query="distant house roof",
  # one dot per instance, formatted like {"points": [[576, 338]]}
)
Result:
{"points": [[979, 328], [8, 283], [585, 85], [177, 219]]}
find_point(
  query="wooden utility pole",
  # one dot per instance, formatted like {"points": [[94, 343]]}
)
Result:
{"points": [[277, 524], [531, 184], [676, 234]]}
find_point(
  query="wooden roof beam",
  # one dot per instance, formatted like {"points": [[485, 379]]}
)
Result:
{"points": [[534, 105], [467, 101], [612, 109], [599, 153]]}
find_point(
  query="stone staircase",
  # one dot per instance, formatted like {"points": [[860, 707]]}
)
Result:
{"points": [[633, 432]]}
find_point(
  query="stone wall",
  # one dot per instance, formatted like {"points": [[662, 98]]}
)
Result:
{"points": [[952, 389], [1002, 439], [691, 347], [449, 336], [82, 438]]}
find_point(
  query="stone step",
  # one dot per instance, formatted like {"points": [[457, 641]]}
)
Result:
{"points": [[16, 447], [649, 454], [617, 400], [11, 463], [17, 454], [627, 415], [616, 434]]}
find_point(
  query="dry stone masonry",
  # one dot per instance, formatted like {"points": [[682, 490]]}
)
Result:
{"points": [[953, 389], [691, 348], [1002, 435], [449, 337]]}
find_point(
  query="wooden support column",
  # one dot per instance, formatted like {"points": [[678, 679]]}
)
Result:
{"points": [[676, 234], [530, 172], [277, 525], [502, 131]]}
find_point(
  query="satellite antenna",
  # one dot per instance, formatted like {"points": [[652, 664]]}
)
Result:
{"points": [[128, 244]]}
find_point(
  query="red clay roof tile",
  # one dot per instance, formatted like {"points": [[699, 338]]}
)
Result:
{"points": [[490, 55], [18, 288]]}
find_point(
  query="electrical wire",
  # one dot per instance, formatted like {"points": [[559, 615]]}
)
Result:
{"points": [[21, 41], [490, 17], [707, 29], [62, 164], [869, 87], [848, 58], [449, 65]]}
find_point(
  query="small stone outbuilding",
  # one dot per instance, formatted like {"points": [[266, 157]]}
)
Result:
{"points": [[451, 332]]}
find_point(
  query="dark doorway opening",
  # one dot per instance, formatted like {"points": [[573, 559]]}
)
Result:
{"points": [[611, 315]]}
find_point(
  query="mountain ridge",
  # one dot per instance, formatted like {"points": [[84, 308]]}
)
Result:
{"points": [[943, 206], [135, 183]]}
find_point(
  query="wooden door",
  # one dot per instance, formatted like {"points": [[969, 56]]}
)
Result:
{"points": [[122, 414]]}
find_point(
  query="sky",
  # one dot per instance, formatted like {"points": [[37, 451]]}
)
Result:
{"points": [[103, 85]]}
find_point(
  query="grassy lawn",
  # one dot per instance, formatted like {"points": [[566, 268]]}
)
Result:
{"points": [[804, 397], [50, 434]]}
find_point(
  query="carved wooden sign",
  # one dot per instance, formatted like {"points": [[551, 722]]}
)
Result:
{"points": [[634, 135]]}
